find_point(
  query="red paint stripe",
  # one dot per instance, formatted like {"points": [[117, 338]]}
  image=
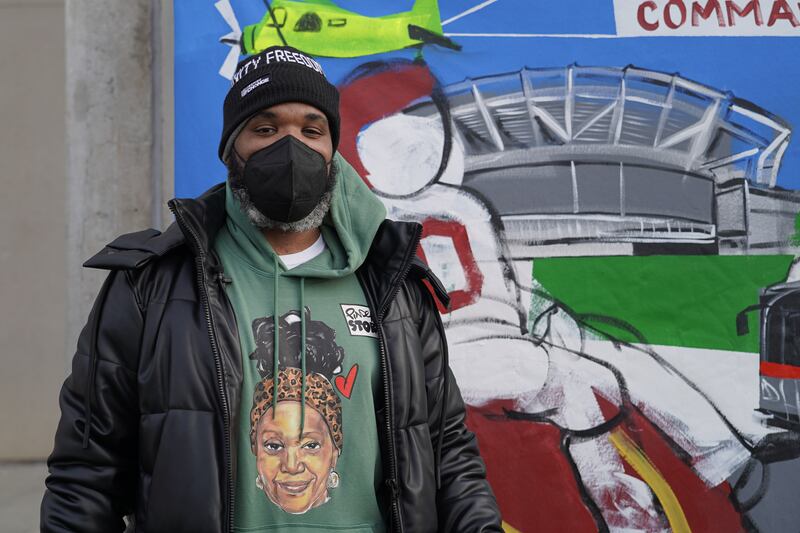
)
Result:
{"points": [[777, 370], [529, 473]]}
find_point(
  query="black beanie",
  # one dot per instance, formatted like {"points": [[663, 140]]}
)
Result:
{"points": [[276, 75]]}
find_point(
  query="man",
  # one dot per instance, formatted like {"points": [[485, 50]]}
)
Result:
{"points": [[272, 361]]}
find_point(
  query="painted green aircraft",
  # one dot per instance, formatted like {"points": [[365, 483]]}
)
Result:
{"points": [[321, 28]]}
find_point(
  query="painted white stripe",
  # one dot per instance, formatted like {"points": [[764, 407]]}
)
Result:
{"points": [[468, 11], [591, 122], [556, 35], [487, 119]]}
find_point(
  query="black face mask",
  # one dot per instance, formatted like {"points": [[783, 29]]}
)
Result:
{"points": [[286, 180]]}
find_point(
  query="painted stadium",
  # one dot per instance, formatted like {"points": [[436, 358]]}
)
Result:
{"points": [[643, 161]]}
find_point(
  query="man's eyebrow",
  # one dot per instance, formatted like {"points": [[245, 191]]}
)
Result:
{"points": [[316, 117], [265, 113]]}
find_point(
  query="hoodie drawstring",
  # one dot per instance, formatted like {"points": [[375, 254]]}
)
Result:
{"points": [[276, 350], [87, 406], [302, 356], [276, 341]]}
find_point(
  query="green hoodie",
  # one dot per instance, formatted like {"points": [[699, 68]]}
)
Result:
{"points": [[308, 465]]}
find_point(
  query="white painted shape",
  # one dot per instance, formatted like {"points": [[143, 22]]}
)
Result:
{"points": [[524, 274], [497, 369], [639, 491], [229, 65], [497, 301], [584, 249], [684, 414], [454, 171], [442, 257], [729, 379], [402, 154], [628, 502], [570, 390], [573, 380], [565, 334], [226, 10], [489, 355]]}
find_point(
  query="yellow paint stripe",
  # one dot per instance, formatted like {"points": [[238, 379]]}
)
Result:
{"points": [[509, 529], [650, 474]]}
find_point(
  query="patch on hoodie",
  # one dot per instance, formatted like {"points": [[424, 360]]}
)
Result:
{"points": [[359, 320]]}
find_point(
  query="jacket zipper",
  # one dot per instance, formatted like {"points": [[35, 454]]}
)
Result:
{"points": [[391, 481], [201, 281]]}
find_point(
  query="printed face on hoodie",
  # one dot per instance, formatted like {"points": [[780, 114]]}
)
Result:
{"points": [[293, 469], [304, 122]]}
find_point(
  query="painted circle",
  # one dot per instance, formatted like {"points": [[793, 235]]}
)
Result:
{"points": [[403, 153]]}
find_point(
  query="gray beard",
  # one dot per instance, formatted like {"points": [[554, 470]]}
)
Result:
{"points": [[260, 220]]}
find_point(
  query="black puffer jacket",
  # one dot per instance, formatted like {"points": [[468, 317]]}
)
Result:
{"points": [[158, 373]]}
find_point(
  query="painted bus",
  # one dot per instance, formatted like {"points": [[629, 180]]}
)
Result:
{"points": [[779, 365]]}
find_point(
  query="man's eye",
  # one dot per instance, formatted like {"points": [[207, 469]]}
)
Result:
{"points": [[273, 446], [313, 445], [312, 132], [265, 129]]}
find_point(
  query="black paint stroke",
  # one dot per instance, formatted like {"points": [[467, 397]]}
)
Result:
{"points": [[275, 22]]}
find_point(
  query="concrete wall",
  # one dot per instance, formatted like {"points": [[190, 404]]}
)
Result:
{"points": [[85, 154], [118, 85], [32, 224], [110, 153]]}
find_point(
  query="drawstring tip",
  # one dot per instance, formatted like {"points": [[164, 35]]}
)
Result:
{"points": [[86, 437]]}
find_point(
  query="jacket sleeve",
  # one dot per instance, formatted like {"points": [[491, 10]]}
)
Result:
{"points": [[464, 500], [92, 470]]}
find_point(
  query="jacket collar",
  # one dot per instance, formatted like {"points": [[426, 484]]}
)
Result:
{"points": [[200, 219], [389, 260]]}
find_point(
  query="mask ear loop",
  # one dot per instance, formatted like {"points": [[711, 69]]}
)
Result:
{"points": [[240, 160]]}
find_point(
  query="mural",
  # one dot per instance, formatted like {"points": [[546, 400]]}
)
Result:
{"points": [[608, 191]]}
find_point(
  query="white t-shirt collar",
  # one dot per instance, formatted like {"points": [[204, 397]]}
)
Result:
{"points": [[303, 256]]}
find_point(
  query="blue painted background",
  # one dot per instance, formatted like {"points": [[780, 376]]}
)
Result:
{"points": [[763, 70]]}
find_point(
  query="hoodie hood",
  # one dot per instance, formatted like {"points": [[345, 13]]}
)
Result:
{"points": [[348, 229]]}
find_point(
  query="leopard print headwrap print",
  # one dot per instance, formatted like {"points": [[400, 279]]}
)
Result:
{"points": [[320, 395]]}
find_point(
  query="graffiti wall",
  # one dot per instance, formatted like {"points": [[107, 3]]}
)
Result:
{"points": [[609, 192]]}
